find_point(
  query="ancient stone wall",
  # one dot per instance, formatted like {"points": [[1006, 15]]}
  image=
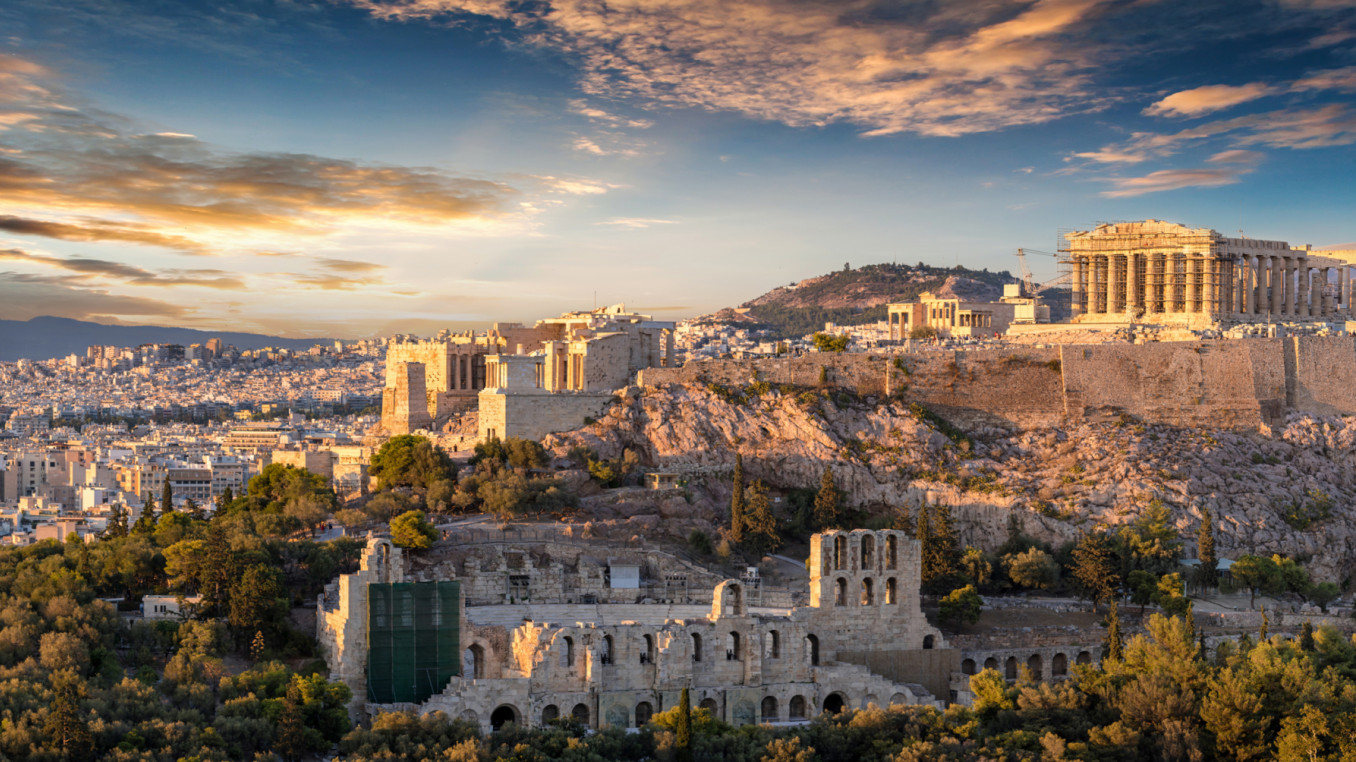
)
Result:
{"points": [[533, 416], [1219, 383]]}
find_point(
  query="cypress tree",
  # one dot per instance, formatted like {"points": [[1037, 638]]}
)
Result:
{"points": [[66, 725], [760, 525], [1306, 640], [1203, 652], [1266, 627], [945, 548], [826, 502], [682, 731], [145, 523], [737, 501], [1113, 635], [924, 536], [1095, 568], [224, 500], [1205, 551], [167, 496], [117, 522], [290, 741]]}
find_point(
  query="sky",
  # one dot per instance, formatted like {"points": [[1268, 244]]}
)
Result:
{"points": [[355, 168]]}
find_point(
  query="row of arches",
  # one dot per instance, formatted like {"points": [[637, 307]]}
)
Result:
{"points": [[866, 553], [1035, 664], [867, 593], [473, 660]]}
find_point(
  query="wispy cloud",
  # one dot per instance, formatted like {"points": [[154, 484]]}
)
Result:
{"points": [[1203, 100], [85, 269], [1173, 179], [634, 223], [943, 69]]}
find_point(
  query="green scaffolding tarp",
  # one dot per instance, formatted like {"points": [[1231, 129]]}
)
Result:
{"points": [[413, 640]]}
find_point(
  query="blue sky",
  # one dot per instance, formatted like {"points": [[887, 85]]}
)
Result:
{"points": [[356, 167]]}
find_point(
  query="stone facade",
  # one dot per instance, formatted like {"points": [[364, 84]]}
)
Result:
{"points": [[625, 662], [952, 317], [591, 352], [1236, 383], [1162, 272]]}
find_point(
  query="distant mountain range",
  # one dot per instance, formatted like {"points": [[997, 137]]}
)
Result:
{"points": [[855, 296], [44, 338]]}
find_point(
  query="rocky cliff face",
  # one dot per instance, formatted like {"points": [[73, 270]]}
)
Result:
{"points": [[1288, 491]]}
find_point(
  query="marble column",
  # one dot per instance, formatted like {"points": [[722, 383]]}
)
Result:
{"points": [[1133, 283], [1302, 295], [1344, 290], [1325, 296], [1079, 289], [1114, 299], [1210, 274], [1274, 280], [1193, 266]]}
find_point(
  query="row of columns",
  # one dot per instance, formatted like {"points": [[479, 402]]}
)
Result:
{"points": [[462, 371], [1252, 284]]}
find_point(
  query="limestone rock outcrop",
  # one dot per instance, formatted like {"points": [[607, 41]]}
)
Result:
{"points": [[1288, 490]]}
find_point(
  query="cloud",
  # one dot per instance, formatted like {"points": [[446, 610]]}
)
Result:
{"points": [[1174, 179], [937, 69], [75, 173], [1237, 156], [1341, 80], [634, 223], [349, 265], [25, 296], [85, 269], [1203, 100], [97, 230], [597, 115]]}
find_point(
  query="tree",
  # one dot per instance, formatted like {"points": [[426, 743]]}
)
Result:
{"points": [[66, 726], [1207, 574], [1033, 569], [1113, 635], [939, 549], [145, 523], [682, 731], [413, 530], [224, 500], [1324, 593], [1095, 568], [217, 572], [167, 496], [1254, 573], [760, 525], [826, 502], [737, 501], [1151, 543], [258, 600], [290, 742], [412, 461], [960, 607], [977, 567], [258, 646], [117, 522], [828, 342]]}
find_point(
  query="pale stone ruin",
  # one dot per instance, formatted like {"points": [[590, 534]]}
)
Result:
{"points": [[1162, 272], [534, 642], [954, 318], [547, 376]]}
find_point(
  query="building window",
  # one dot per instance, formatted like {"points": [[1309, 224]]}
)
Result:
{"points": [[696, 647], [732, 647]]}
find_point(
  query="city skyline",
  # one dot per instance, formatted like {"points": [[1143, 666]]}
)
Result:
{"points": [[358, 168]]}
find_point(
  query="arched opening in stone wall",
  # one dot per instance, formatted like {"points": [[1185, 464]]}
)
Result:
{"points": [[550, 713], [470, 716], [797, 708], [696, 647], [580, 713], [891, 552], [899, 699], [1035, 664], [473, 662], [644, 711], [968, 666], [710, 705], [870, 700], [929, 641], [812, 650], [891, 592], [774, 645], [991, 663], [567, 653], [734, 600], [769, 709], [1059, 666], [1010, 668], [647, 655], [868, 551], [503, 715], [732, 647], [840, 599], [834, 703], [868, 591], [606, 656], [1084, 658], [840, 552]]}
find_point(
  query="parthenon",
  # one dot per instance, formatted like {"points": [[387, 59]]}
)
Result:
{"points": [[1155, 271]]}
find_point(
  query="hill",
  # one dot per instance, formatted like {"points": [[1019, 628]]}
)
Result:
{"points": [[855, 296], [44, 338]]}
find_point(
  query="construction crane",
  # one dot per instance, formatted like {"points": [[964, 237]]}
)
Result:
{"points": [[1029, 287]]}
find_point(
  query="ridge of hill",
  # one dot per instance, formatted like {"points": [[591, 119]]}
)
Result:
{"points": [[47, 337], [856, 296]]}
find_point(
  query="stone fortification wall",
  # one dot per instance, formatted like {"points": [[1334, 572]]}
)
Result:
{"points": [[1220, 383], [969, 388], [506, 414]]}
